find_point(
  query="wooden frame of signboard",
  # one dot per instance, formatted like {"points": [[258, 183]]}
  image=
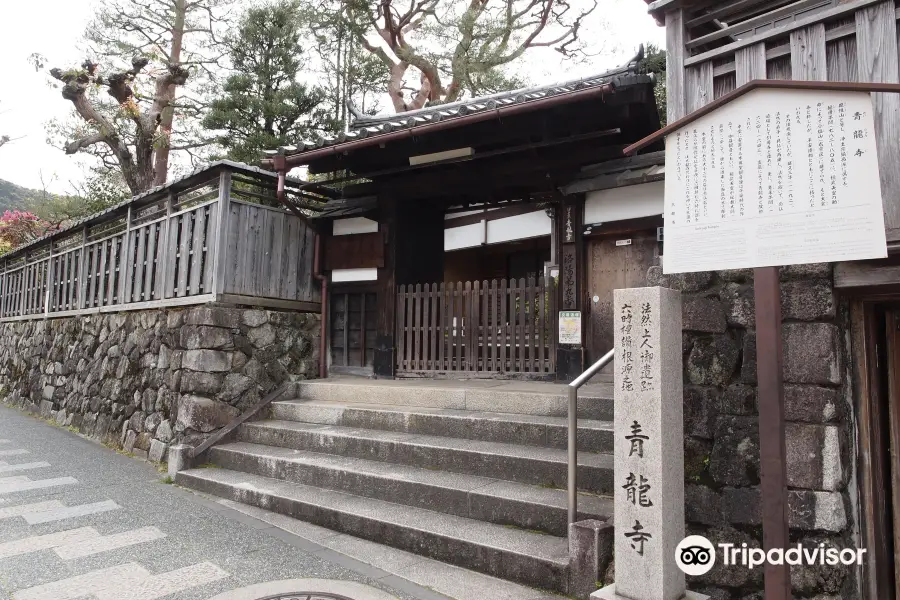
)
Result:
{"points": [[767, 292]]}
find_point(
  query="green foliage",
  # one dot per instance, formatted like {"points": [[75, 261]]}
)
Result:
{"points": [[13, 196], [101, 189], [262, 105], [655, 62]]}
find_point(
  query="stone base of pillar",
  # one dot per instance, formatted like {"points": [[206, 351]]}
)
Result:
{"points": [[179, 459], [609, 593], [590, 550]]}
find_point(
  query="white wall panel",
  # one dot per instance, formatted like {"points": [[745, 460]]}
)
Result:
{"points": [[467, 236], [345, 275], [519, 227], [354, 225], [630, 202]]}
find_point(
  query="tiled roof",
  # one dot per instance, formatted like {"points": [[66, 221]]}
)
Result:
{"points": [[97, 217], [375, 125]]}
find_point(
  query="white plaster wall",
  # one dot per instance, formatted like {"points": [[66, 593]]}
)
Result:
{"points": [[354, 225], [345, 275], [630, 202], [467, 236], [519, 227]]}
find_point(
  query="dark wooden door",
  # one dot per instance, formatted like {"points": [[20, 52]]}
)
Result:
{"points": [[613, 264], [892, 495], [352, 330]]}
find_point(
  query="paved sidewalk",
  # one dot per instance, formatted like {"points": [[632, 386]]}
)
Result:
{"points": [[78, 520]]}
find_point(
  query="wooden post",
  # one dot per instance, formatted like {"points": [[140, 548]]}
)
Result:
{"points": [[221, 226], [49, 279], [773, 466], [82, 267]]}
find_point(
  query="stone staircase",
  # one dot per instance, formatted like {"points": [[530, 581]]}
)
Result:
{"points": [[427, 469]]}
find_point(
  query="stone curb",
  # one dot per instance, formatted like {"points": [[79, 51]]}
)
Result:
{"points": [[350, 589]]}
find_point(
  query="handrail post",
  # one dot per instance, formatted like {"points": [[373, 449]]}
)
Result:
{"points": [[573, 454], [573, 429]]}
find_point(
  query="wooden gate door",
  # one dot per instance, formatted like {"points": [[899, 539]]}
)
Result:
{"points": [[614, 262], [352, 332]]}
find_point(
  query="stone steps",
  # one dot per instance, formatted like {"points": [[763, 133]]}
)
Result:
{"points": [[594, 400], [511, 462], [530, 430], [528, 557], [471, 473], [480, 498]]}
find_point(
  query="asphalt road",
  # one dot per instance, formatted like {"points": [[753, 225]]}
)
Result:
{"points": [[79, 521]]}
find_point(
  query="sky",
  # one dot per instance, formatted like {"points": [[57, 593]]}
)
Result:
{"points": [[617, 28]]}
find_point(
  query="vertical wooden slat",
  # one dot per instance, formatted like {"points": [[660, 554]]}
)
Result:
{"points": [[541, 323], [461, 317], [513, 318], [362, 330], [471, 324], [410, 351], [531, 324], [435, 328], [750, 63], [426, 318], [504, 300], [198, 240], [456, 324], [442, 327], [165, 251], [114, 246], [273, 288], [417, 327], [156, 258], [698, 86], [675, 53], [346, 330], [876, 46], [808, 53], [219, 250], [554, 324], [481, 357], [295, 250], [400, 324], [184, 258], [101, 285], [151, 267], [523, 339], [841, 60], [64, 304], [140, 264], [82, 267], [493, 321]]}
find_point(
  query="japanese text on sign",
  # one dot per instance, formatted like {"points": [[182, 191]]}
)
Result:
{"points": [[775, 177]]}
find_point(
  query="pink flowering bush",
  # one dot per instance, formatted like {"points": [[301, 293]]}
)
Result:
{"points": [[19, 227]]}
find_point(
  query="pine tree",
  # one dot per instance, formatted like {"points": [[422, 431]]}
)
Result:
{"points": [[263, 105]]}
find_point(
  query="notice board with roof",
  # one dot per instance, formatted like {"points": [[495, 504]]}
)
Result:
{"points": [[778, 176]]}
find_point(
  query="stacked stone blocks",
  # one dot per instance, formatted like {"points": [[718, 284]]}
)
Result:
{"points": [[146, 379], [721, 422]]}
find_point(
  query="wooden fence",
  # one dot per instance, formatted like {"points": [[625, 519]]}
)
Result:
{"points": [[477, 328], [167, 249]]}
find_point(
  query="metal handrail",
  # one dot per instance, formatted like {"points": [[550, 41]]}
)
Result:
{"points": [[573, 429]]}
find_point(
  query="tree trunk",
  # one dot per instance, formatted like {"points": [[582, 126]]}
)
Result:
{"points": [[161, 166]]}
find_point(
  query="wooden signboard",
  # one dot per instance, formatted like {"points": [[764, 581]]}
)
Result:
{"points": [[775, 173], [777, 177]]}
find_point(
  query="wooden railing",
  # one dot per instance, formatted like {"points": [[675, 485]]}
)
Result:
{"points": [[199, 244], [477, 328]]}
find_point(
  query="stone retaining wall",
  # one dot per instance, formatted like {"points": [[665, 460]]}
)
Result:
{"points": [[142, 380], [722, 494]]}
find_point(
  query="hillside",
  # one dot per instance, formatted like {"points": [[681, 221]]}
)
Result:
{"points": [[12, 195]]}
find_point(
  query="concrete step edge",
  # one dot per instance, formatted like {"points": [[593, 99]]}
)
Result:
{"points": [[532, 558], [480, 498]]}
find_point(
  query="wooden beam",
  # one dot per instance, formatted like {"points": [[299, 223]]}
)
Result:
{"points": [[865, 274], [877, 61], [828, 15]]}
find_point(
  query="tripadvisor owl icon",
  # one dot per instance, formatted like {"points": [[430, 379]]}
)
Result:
{"points": [[695, 555]]}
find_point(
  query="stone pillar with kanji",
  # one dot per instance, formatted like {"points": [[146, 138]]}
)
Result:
{"points": [[649, 446]]}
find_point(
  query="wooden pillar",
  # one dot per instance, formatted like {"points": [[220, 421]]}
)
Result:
{"points": [[385, 359], [570, 224]]}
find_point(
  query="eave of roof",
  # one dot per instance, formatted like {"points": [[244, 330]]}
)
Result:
{"points": [[376, 130]]}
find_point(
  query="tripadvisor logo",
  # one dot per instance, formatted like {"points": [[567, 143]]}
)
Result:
{"points": [[696, 555]]}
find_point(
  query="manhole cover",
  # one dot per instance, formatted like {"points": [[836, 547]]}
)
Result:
{"points": [[307, 589], [306, 596]]}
